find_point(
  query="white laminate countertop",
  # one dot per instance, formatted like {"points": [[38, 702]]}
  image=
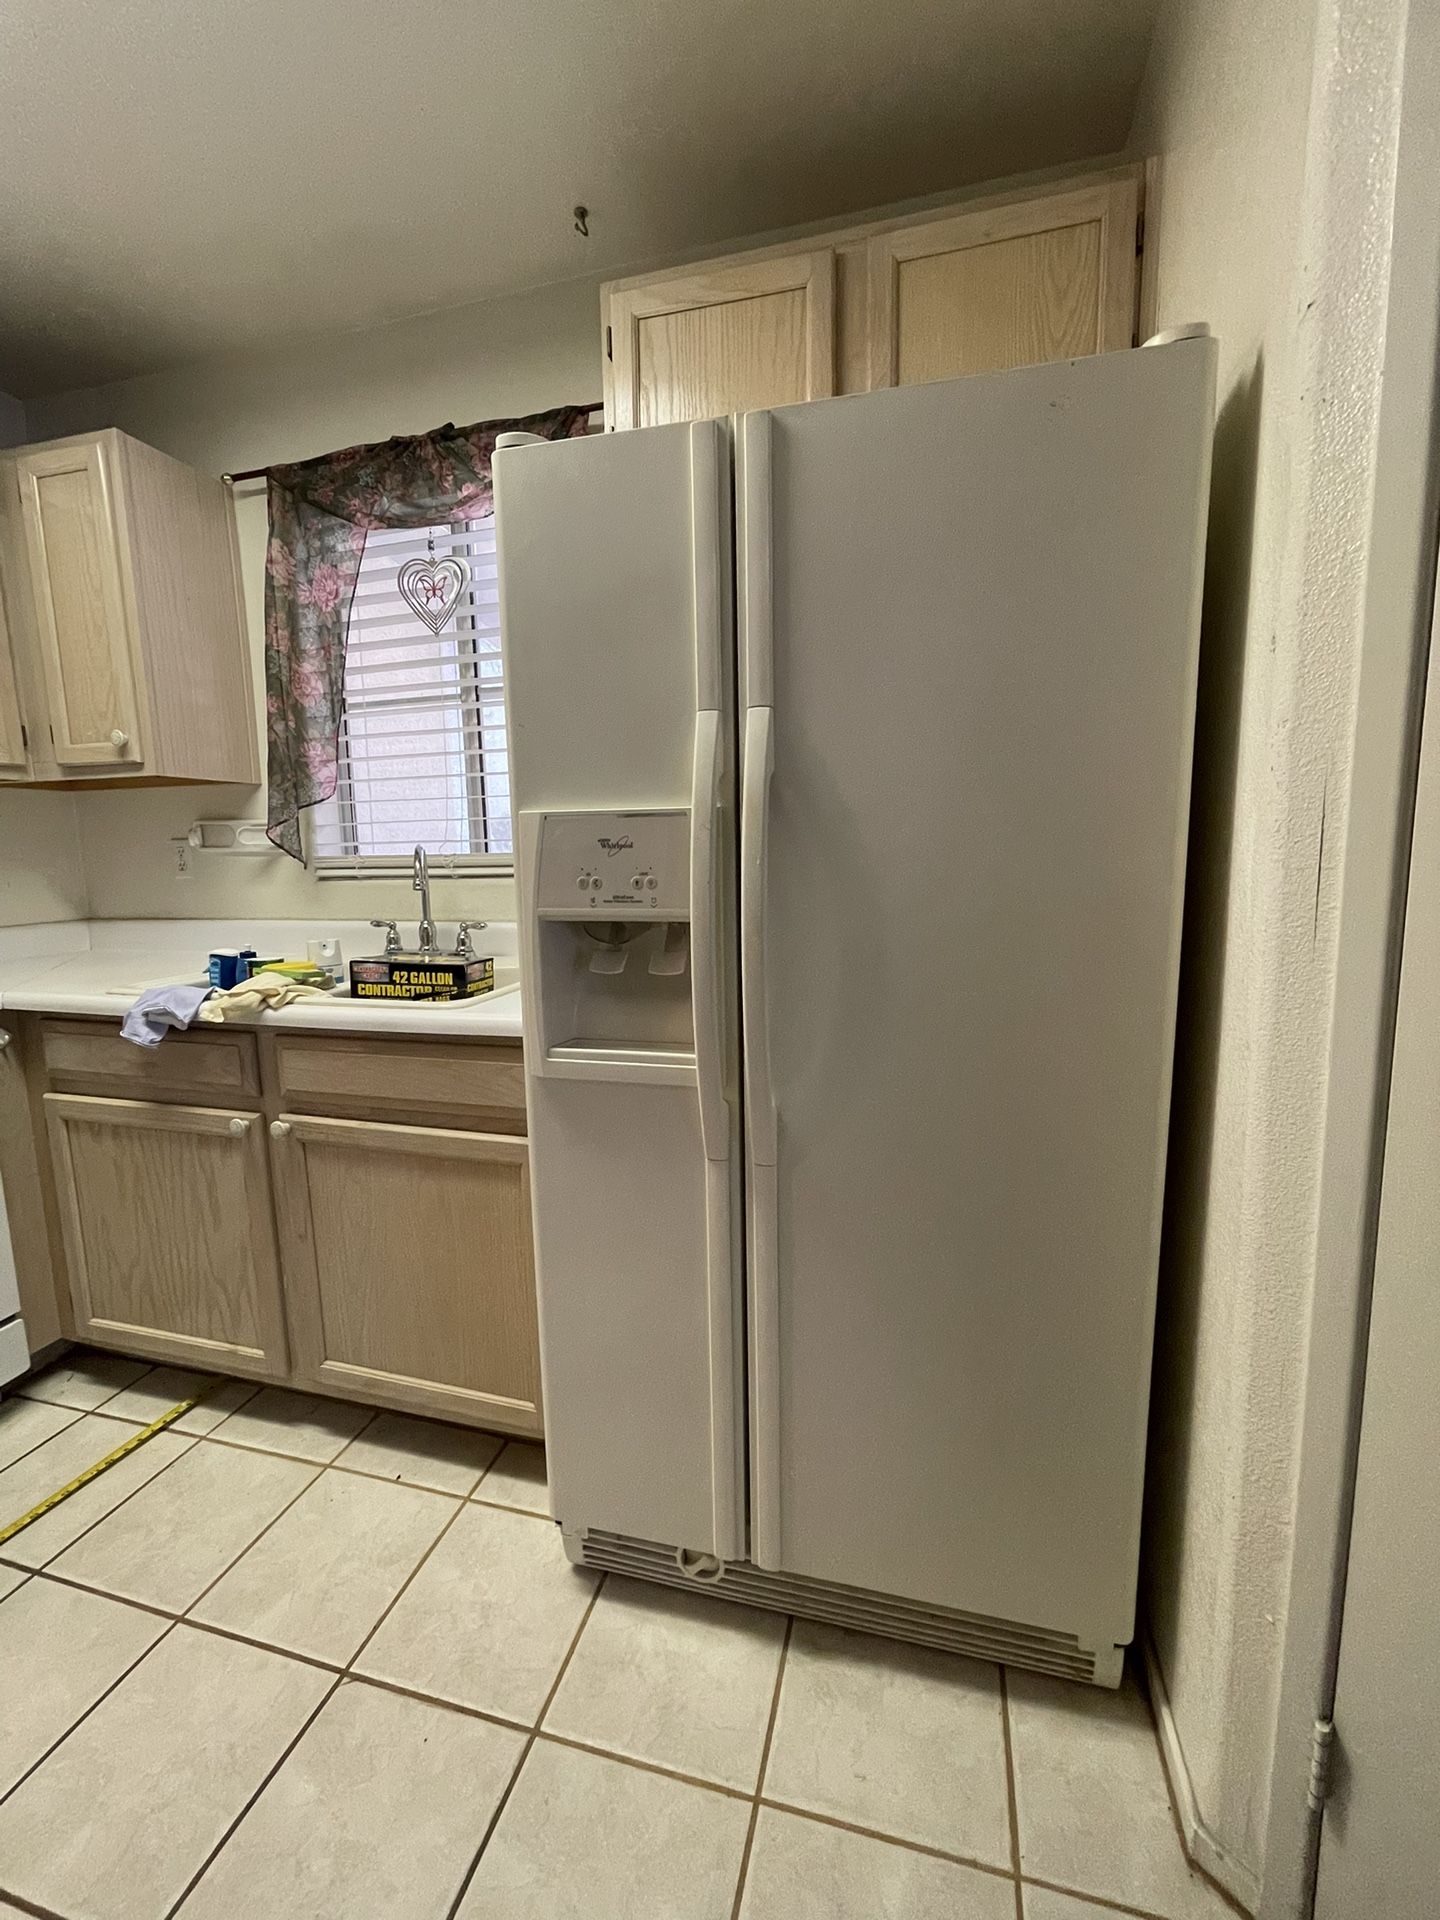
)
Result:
{"points": [[97, 967]]}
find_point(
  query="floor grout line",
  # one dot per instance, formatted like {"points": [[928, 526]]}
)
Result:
{"points": [[339, 1460], [337, 1465], [641, 1766], [23, 1905], [262, 1646], [80, 1719], [1011, 1798], [147, 1367], [404, 1587], [499, 1506], [468, 1876], [890, 1839], [45, 1440], [1100, 1900], [123, 1501], [765, 1745], [105, 1593], [240, 1818], [298, 1494], [435, 1700]]}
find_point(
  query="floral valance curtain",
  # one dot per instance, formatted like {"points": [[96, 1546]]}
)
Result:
{"points": [[320, 512]]}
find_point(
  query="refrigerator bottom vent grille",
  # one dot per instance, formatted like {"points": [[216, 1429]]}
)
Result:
{"points": [[976, 1634]]}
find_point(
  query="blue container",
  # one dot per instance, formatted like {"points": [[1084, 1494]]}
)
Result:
{"points": [[229, 966]]}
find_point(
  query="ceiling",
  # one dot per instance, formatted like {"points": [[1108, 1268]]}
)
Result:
{"points": [[181, 180]]}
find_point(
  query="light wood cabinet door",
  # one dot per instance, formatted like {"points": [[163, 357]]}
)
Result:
{"points": [[169, 1231], [82, 615], [14, 757], [723, 339], [1051, 278], [409, 1273]]}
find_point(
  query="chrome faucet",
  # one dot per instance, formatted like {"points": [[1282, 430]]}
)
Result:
{"points": [[428, 942]]}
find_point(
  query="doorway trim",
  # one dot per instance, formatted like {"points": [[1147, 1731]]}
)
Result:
{"points": [[1396, 641]]}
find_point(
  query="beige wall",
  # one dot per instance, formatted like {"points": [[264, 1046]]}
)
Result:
{"points": [[500, 357], [1274, 226], [41, 873]]}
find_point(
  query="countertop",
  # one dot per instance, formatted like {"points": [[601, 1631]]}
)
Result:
{"points": [[96, 968]]}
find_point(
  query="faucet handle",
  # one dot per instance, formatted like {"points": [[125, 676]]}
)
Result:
{"points": [[392, 935], [464, 945]]}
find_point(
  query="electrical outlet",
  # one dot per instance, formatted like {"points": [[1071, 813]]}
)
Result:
{"points": [[182, 859]]}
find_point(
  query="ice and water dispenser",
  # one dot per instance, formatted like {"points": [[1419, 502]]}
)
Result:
{"points": [[612, 935]]}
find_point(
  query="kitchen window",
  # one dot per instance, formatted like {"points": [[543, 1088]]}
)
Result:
{"points": [[423, 755]]}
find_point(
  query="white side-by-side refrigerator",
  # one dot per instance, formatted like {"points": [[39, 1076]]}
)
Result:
{"points": [[850, 764]]}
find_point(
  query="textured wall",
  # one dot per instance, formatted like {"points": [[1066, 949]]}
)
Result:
{"points": [[12, 420], [1276, 147], [474, 363]]}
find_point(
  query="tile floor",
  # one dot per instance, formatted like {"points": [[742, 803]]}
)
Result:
{"points": [[297, 1659]]}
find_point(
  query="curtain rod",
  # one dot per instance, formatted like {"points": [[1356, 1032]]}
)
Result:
{"points": [[263, 473]]}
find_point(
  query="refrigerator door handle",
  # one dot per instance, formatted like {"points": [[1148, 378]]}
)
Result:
{"points": [[764, 1278], [705, 937], [709, 540], [754, 878], [715, 1128], [706, 543], [755, 561]]}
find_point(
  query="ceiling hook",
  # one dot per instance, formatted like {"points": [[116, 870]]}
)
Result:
{"points": [[582, 220]]}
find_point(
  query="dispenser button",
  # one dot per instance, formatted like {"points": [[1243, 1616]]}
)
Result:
{"points": [[651, 882], [596, 882], [583, 881], [637, 880]]}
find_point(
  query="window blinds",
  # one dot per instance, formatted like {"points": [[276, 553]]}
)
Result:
{"points": [[423, 754]]}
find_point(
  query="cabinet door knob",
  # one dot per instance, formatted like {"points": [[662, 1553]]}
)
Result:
{"points": [[279, 1129], [239, 1127], [119, 739], [4, 1039]]}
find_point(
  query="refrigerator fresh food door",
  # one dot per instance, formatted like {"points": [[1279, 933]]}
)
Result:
{"points": [[969, 620], [615, 593]]}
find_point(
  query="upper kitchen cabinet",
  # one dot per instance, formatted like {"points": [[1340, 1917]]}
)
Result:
{"points": [[755, 331], [1006, 286], [122, 590], [1001, 280], [14, 758]]}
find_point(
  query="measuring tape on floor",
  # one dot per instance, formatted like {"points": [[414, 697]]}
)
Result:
{"points": [[122, 1452]]}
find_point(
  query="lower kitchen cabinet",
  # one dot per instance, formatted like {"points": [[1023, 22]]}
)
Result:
{"points": [[344, 1214], [166, 1217], [409, 1273]]}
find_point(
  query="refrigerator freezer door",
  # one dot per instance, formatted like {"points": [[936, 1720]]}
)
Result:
{"points": [[974, 609], [615, 608]]}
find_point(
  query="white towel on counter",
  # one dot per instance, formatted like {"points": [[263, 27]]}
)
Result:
{"points": [[261, 990], [157, 1010]]}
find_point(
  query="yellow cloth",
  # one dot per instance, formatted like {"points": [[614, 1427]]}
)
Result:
{"points": [[252, 996]]}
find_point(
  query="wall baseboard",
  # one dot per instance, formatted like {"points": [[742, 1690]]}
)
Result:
{"points": [[1204, 1850]]}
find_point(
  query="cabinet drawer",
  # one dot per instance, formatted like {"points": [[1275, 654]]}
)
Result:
{"points": [[445, 1083], [90, 1055]]}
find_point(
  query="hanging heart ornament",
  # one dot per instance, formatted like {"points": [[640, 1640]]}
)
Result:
{"points": [[432, 588]]}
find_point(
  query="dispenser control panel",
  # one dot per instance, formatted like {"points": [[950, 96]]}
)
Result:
{"points": [[618, 866]]}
